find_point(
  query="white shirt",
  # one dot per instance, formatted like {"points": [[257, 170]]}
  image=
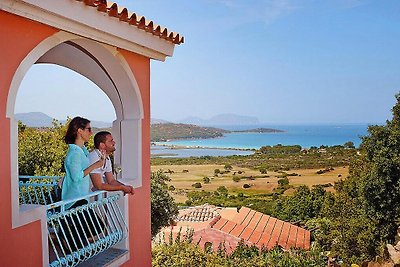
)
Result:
{"points": [[94, 156]]}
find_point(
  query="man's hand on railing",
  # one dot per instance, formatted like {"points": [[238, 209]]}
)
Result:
{"points": [[128, 189]]}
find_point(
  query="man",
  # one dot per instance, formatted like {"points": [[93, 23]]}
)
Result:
{"points": [[103, 177]]}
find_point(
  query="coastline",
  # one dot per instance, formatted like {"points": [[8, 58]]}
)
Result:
{"points": [[171, 146]]}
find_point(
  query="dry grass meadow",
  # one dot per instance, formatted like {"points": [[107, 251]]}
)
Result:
{"points": [[184, 176]]}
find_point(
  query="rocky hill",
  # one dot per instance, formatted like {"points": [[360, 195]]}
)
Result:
{"points": [[170, 131]]}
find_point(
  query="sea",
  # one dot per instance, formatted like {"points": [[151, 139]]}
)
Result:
{"points": [[244, 143]]}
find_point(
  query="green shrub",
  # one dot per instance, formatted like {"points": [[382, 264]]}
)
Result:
{"points": [[197, 185], [206, 180], [263, 171], [236, 179]]}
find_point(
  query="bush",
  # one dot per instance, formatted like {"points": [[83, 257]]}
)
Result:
{"points": [[236, 179], [283, 182], [197, 185], [179, 253], [163, 207], [206, 180], [222, 190], [263, 171], [228, 167]]}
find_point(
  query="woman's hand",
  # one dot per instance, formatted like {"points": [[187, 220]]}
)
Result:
{"points": [[99, 164]]}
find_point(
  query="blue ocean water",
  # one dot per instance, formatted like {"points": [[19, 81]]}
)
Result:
{"points": [[168, 152], [303, 135]]}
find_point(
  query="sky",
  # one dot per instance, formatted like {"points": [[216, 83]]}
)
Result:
{"points": [[282, 61]]}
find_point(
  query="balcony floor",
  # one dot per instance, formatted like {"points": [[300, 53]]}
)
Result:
{"points": [[105, 258]]}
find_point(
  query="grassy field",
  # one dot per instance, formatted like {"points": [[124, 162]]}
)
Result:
{"points": [[184, 176]]}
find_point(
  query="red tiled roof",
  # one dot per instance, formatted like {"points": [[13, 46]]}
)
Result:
{"points": [[134, 19], [255, 228], [263, 230], [199, 214]]}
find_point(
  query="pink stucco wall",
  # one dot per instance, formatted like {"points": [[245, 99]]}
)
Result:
{"points": [[22, 246]]}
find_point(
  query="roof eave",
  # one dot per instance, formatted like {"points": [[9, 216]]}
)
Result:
{"points": [[78, 18]]}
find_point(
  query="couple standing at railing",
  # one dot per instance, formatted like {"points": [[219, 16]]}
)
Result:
{"points": [[81, 167], [80, 164]]}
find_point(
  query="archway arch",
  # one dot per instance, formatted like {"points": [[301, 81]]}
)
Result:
{"points": [[104, 66]]}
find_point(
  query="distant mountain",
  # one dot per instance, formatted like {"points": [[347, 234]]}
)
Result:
{"points": [[39, 119], [34, 119], [158, 121], [222, 119]]}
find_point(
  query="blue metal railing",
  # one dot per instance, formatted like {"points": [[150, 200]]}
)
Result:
{"points": [[80, 233], [39, 190]]}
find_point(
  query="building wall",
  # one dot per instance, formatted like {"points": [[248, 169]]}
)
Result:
{"points": [[22, 246], [139, 205], [18, 37]]}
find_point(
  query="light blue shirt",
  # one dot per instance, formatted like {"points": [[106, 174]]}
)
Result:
{"points": [[75, 184]]}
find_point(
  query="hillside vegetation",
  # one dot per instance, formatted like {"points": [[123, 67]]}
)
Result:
{"points": [[171, 131]]}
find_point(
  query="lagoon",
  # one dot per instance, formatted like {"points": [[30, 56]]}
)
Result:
{"points": [[303, 135], [172, 152]]}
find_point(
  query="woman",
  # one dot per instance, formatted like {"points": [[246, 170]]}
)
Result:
{"points": [[76, 164], [76, 185]]}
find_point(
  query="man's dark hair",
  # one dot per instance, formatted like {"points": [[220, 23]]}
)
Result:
{"points": [[100, 137]]}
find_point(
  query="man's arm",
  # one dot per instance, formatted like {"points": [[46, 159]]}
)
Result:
{"points": [[112, 184], [99, 185]]}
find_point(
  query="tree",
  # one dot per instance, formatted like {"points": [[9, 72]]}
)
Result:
{"points": [[197, 185], [236, 179], [263, 171], [349, 144], [365, 207], [41, 151], [377, 174], [228, 167], [163, 207], [222, 190], [206, 180]]}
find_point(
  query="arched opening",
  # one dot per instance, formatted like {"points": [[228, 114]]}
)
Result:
{"points": [[59, 92], [105, 67]]}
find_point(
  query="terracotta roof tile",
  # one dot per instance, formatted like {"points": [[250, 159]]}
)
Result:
{"points": [[247, 232], [248, 218], [241, 215], [255, 220], [275, 234], [220, 224], [283, 238], [251, 226], [292, 237], [263, 223], [300, 238], [113, 10], [255, 237], [199, 214], [268, 229], [307, 239], [237, 230], [263, 240], [228, 227]]}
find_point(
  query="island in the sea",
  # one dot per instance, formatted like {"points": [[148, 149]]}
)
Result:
{"points": [[259, 130], [161, 132]]}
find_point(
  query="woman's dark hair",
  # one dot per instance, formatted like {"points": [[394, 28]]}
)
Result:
{"points": [[73, 126]]}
